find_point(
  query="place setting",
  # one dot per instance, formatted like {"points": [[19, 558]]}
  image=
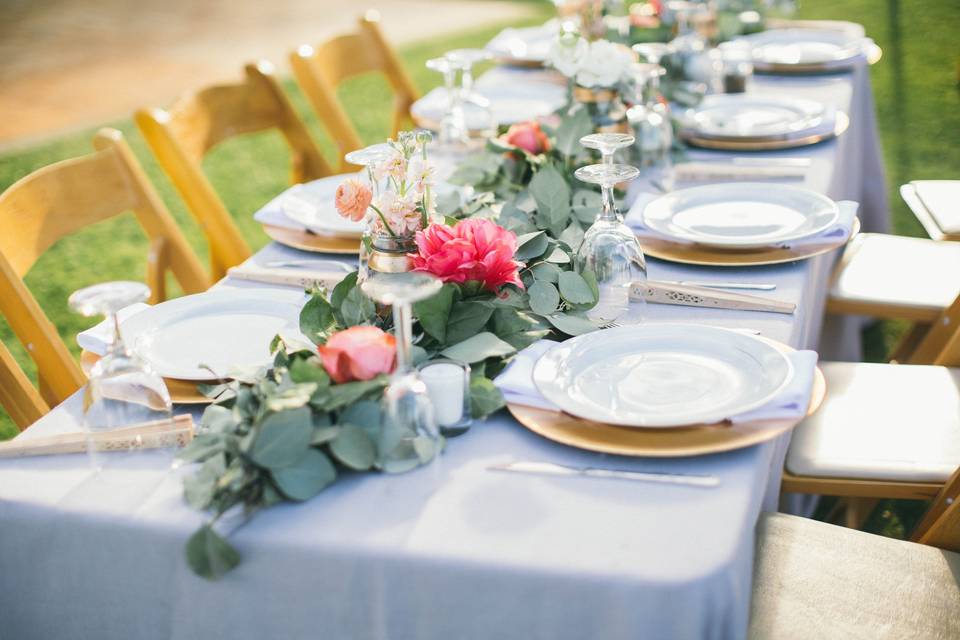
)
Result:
{"points": [[809, 51]]}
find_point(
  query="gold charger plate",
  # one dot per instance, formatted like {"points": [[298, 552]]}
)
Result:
{"points": [[841, 125], [664, 249], [306, 241], [873, 55], [181, 391], [694, 440]]}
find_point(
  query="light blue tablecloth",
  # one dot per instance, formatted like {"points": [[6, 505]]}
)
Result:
{"points": [[451, 551]]}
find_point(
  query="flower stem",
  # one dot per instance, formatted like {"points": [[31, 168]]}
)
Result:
{"points": [[383, 219]]}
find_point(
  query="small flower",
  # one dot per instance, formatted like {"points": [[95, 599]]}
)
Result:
{"points": [[567, 53], [421, 174], [528, 136], [604, 64], [352, 199], [358, 353]]}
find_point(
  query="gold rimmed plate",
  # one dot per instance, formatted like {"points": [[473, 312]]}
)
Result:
{"points": [[693, 440], [841, 123], [689, 253], [307, 241]]}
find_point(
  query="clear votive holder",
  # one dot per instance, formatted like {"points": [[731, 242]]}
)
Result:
{"points": [[737, 66], [448, 386]]}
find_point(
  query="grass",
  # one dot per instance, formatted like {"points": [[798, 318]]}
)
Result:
{"points": [[915, 89]]}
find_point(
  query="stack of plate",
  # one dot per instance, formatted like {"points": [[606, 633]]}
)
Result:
{"points": [[527, 47], [745, 122], [804, 51], [213, 335], [745, 223]]}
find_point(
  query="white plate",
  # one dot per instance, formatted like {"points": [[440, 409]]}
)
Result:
{"points": [[805, 47], [661, 375], [312, 205], [737, 116], [509, 103], [740, 214], [225, 330]]}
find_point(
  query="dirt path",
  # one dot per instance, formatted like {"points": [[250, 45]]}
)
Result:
{"points": [[66, 64]]}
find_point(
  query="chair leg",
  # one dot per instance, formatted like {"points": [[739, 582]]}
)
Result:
{"points": [[858, 510]]}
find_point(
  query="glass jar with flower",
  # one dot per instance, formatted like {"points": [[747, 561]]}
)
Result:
{"points": [[595, 70], [395, 203]]}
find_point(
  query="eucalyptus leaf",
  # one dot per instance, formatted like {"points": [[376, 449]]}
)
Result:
{"points": [[575, 124], [586, 205], [466, 319], [217, 418], [309, 370], [544, 297], [283, 438], [572, 325], [485, 397], [531, 245], [323, 435], [357, 308], [307, 478], [199, 488], [574, 289], [546, 272], [479, 347], [354, 448], [209, 555], [202, 447], [552, 195], [523, 339], [340, 395], [365, 413], [572, 236], [434, 312], [558, 256]]}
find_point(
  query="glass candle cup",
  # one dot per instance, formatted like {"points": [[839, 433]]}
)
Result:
{"points": [[448, 385]]}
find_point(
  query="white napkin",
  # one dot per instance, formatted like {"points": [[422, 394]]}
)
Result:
{"points": [[97, 338], [516, 384], [837, 233], [527, 43]]}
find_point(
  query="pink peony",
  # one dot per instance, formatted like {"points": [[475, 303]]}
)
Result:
{"points": [[475, 249], [528, 136], [358, 353], [352, 199]]}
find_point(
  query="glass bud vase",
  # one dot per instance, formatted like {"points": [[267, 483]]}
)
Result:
{"points": [[606, 108], [383, 253]]}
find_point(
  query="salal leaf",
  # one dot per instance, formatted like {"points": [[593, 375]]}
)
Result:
{"points": [[479, 347], [316, 318], [354, 448], [307, 478], [283, 438], [466, 319], [309, 370], [485, 397], [434, 312], [209, 555]]}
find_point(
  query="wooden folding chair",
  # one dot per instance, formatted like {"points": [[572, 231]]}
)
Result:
{"points": [[898, 278], [181, 136], [320, 70], [18, 396], [816, 580], [885, 430], [941, 217], [64, 197]]}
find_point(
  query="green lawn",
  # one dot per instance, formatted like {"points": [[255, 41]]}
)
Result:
{"points": [[915, 86]]}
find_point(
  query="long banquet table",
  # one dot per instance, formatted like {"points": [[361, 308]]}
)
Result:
{"points": [[448, 551]]}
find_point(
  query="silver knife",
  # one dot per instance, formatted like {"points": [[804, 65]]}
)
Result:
{"points": [[755, 286], [690, 296], [554, 469]]}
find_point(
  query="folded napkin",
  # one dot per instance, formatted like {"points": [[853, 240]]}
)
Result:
{"points": [[516, 384], [97, 338], [837, 233]]}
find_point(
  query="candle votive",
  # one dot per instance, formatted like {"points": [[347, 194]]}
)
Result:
{"points": [[448, 385]]}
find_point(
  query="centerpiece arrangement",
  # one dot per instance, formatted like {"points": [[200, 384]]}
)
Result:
{"points": [[287, 432]]}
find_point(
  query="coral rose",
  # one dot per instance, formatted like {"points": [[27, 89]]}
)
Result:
{"points": [[475, 249], [528, 136], [358, 353], [352, 199]]}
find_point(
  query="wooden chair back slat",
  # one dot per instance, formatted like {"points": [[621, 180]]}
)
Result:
{"points": [[18, 397], [940, 525], [181, 136], [320, 70], [941, 343]]}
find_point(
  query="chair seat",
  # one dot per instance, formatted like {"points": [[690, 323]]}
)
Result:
{"points": [[896, 277], [936, 204], [816, 580], [882, 422]]}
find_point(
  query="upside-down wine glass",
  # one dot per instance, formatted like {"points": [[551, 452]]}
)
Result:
{"points": [[453, 138], [649, 118], [477, 114], [610, 250], [410, 435], [369, 158], [122, 390], [607, 144]]}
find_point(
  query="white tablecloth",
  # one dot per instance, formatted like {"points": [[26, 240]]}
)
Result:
{"points": [[450, 551]]}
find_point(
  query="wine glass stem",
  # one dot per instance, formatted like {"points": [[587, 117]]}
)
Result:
{"points": [[609, 212], [466, 79], [403, 330], [116, 344]]}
